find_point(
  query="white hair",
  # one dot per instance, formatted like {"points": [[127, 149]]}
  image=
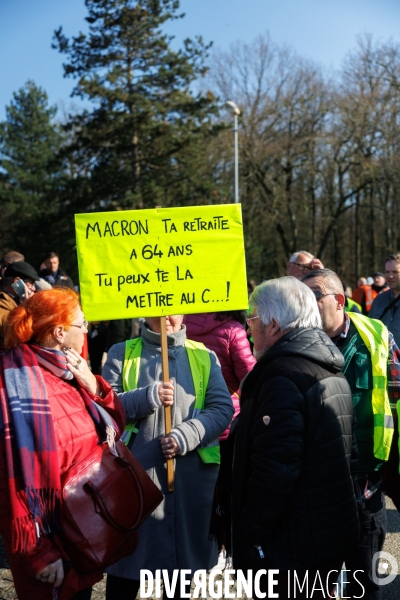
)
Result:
{"points": [[287, 301], [296, 255]]}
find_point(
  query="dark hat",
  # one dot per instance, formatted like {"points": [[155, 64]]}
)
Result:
{"points": [[379, 274], [21, 269]]}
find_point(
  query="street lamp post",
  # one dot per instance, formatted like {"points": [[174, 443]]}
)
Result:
{"points": [[234, 110]]}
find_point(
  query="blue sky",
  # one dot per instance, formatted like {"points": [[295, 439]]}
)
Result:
{"points": [[322, 30]]}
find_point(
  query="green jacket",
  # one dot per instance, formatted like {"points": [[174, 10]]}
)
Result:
{"points": [[358, 372]]}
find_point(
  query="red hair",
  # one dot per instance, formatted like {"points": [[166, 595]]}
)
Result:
{"points": [[36, 319]]}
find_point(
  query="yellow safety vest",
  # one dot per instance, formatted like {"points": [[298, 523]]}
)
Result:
{"points": [[375, 336], [200, 367], [351, 303]]}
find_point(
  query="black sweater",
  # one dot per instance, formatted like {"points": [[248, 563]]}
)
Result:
{"points": [[292, 491]]}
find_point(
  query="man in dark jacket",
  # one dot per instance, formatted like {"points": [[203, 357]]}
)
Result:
{"points": [[293, 505], [366, 345], [379, 284], [386, 305], [53, 274]]}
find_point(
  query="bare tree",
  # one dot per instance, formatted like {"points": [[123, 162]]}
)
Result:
{"points": [[319, 156]]}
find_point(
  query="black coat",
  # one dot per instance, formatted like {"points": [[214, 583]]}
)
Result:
{"points": [[292, 491]]}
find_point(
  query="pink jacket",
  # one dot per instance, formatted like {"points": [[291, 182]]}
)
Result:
{"points": [[229, 341]]}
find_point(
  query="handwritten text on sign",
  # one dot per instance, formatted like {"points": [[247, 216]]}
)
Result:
{"points": [[161, 261]]}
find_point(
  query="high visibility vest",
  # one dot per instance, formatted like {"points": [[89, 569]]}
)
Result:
{"points": [[351, 303], [200, 368], [375, 336], [369, 298]]}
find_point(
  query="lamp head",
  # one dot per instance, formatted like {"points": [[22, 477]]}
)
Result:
{"points": [[231, 106]]}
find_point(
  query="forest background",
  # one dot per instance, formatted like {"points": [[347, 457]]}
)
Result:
{"points": [[319, 154]]}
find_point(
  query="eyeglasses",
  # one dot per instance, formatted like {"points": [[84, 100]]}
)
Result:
{"points": [[301, 267], [319, 295], [249, 321], [84, 325]]}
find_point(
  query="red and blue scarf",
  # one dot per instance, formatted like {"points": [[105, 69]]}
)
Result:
{"points": [[26, 424]]}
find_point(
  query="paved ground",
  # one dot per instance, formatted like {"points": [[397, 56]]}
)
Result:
{"points": [[390, 591], [392, 545]]}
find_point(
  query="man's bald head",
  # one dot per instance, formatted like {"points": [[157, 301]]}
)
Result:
{"points": [[299, 264]]}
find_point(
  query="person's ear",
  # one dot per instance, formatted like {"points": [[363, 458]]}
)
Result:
{"points": [[274, 327], [59, 334], [341, 300]]}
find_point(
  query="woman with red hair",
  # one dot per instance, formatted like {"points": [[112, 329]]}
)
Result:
{"points": [[48, 422]]}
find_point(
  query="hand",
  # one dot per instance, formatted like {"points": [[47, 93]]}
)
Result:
{"points": [[29, 292], [316, 264], [169, 446], [166, 393], [80, 370], [53, 573]]}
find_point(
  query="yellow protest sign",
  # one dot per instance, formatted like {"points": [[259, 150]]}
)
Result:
{"points": [[162, 261]]}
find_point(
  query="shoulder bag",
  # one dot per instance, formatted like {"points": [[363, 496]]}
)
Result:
{"points": [[105, 497]]}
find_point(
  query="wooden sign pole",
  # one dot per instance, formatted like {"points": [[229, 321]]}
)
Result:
{"points": [[167, 409]]}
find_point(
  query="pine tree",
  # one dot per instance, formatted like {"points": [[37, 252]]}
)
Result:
{"points": [[29, 144], [145, 140]]}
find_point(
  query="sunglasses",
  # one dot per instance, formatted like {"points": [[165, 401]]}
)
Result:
{"points": [[319, 295]]}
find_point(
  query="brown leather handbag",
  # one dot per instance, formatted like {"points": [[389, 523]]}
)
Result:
{"points": [[105, 497]]}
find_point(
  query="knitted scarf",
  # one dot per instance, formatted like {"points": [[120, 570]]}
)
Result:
{"points": [[26, 424]]}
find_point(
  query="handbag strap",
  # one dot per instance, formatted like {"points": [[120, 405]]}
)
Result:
{"points": [[388, 307]]}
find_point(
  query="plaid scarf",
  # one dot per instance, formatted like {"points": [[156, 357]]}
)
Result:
{"points": [[26, 424]]}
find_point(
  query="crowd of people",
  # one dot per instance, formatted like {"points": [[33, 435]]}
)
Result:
{"points": [[19, 280], [284, 433]]}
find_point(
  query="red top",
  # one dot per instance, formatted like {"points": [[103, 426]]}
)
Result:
{"points": [[76, 436]]}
